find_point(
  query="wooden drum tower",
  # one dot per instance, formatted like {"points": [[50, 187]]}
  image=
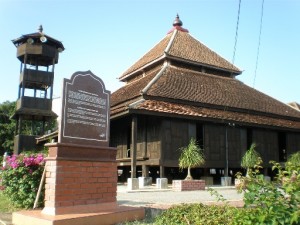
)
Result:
{"points": [[38, 54]]}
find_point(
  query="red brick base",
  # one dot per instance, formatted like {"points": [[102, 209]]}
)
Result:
{"points": [[81, 188], [188, 185], [73, 183]]}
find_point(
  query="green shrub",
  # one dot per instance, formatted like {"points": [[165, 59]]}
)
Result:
{"points": [[276, 202], [196, 214], [271, 203], [21, 178], [294, 159]]}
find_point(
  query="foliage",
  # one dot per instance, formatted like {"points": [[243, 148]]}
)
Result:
{"points": [[196, 214], [294, 159], [218, 196], [191, 156], [275, 202], [7, 126], [21, 178], [266, 202], [37, 127], [5, 204], [138, 222], [250, 158]]}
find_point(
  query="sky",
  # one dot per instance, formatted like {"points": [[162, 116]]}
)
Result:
{"points": [[108, 36]]}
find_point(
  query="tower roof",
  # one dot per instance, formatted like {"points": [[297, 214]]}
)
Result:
{"points": [[179, 45], [38, 37]]}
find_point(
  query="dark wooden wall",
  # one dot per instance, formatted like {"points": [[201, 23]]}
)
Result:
{"points": [[148, 137], [215, 145], [174, 136], [293, 143], [118, 137], [266, 144], [237, 145], [154, 133], [159, 140]]}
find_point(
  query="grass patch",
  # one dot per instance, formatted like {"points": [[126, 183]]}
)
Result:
{"points": [[142, 222], [5, 204]]}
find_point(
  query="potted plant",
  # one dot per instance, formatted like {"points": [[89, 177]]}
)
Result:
{"points": [[191, 156], [250, 159]]}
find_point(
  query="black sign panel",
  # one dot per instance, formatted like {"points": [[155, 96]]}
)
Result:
{"points": [[85, 110]]}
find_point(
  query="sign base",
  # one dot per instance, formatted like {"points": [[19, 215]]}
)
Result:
{"points": [[104, 217]]}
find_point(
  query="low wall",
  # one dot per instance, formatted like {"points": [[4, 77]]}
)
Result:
{"points": [[188, 185]]}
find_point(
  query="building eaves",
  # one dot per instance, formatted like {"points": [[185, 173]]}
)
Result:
{"points": [[221, 116]]}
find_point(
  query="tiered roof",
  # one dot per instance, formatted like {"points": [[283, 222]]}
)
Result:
{"points": [[181, 77]]}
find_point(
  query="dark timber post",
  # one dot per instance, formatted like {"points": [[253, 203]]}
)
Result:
{"points": [[133, 141], [161, 171], [226, 151]]}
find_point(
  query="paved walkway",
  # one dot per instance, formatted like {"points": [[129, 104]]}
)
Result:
{"points": [[151, 197]]}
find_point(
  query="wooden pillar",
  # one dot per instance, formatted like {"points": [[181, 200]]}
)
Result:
{"points": [[20, 125], [161, 171], [145, 138], [51, 87], [145, 171], [32, 125], [133, 142], [226, 152], [43, 127]]}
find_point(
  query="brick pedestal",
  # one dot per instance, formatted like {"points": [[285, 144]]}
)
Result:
{"points": [[81, 182], [188, 185], [77, 180], [73, 184]]}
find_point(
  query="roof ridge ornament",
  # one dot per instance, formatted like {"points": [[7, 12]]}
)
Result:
{"points": [[177, 25], [40, 29], [177, 21], [43, 39]]}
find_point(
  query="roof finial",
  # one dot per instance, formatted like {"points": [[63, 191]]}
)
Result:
{"points": [[40, 29], [177, 25], [177, 21]]}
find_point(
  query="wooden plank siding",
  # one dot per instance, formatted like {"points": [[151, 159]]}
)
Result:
{"points": [[154, 132], [174, 136], [293, 143], [214, 145], [266, 144], [237, 145], [119, 135], [159, 140]]}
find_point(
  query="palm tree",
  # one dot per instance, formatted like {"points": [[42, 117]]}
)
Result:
{"points": [[250, 159], [191, 156]]}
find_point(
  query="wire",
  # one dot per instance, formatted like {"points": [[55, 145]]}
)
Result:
{"points": [[259, 39], [236, 32]]}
